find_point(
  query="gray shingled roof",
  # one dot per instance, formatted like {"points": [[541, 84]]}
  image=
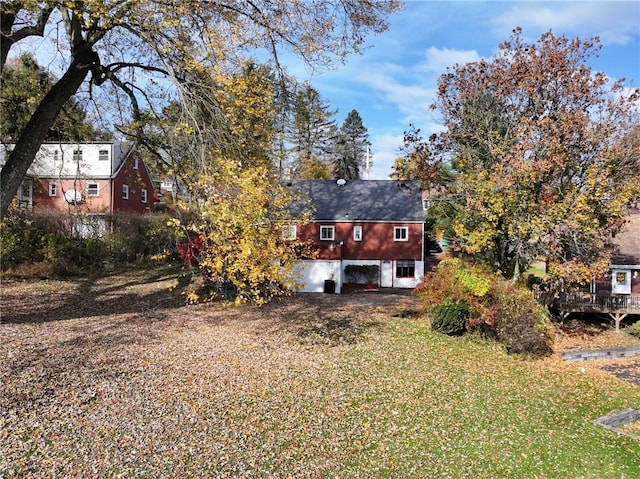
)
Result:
{"points": [[362, 200]]}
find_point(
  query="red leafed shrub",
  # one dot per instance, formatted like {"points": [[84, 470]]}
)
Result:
{"points": [[190, 251]]}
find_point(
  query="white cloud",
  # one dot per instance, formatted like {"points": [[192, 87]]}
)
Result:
{"points": [[439, 59], [615, 22], [410, 98], [384, 149]]}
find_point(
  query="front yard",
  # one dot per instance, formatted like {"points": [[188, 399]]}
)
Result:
{"points": [[114, 377]]}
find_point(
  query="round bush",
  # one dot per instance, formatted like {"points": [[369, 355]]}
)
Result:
{"points": [[450, 317]]}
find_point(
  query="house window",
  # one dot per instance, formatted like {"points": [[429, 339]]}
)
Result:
{"points": [[135, 163], [125, 192], [401, 233], [25, 191], [53, 189], [327, 233], [289, 232], [405, 268], [93, 189], [56, 155], [103, 155], [143, 194], [357, 233], [77, 155]]}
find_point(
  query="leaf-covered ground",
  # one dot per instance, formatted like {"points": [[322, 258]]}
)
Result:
{"points": [[114, 377]]}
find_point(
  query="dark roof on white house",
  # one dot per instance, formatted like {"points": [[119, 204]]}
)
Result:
{"points": [[361, 200], [628, 242]]}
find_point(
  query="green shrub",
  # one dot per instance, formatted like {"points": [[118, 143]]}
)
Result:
{"points": [[21, 240], [490, 306], [68, 256], [634, 329], [473, 281], [450, 317], [134, 237], [71, 244]]}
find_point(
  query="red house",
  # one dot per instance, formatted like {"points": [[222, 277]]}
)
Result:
{"points": [[625, 263], [361, 222], [91, 178]]}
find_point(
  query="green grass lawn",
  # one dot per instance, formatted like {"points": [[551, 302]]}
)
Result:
{"points": [[537, 268], [298, 389]]}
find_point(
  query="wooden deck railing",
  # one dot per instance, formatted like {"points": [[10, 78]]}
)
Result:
{"points": [[603, 302]]}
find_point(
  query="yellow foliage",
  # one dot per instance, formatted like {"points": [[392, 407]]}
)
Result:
{"points": [[239, 221]]}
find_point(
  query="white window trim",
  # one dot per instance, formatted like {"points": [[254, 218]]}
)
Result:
{"points": [[77, 154], [125, 192], [53, 188], [397, 229], [25, 192], [144, 195], [135, 163], [97, 189], [328, 228], [103, 155], [357, 233]]}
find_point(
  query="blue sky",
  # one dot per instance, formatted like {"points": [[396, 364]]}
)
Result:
{"points": [[392, 84]]}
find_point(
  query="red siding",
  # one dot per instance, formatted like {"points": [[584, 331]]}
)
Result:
{"points": [[89, 204], [109, 199], [377, 241], [137, 180]]}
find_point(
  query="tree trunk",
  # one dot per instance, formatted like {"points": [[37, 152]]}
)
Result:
{"points": [[35, 131]]}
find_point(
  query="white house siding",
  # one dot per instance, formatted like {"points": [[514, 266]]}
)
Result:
{"points": [[409, 282], [388, 278], [44, 164], [315, 273]]}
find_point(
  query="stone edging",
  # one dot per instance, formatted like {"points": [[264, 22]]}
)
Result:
{"points": [[601, 354], [614, 420]]}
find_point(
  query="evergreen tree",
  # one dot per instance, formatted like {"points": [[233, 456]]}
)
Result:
{"points": [[22, 86], [351, 148], [314, 131]]}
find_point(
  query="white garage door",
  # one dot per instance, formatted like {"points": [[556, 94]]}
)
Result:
{"points": [[314, 274]]}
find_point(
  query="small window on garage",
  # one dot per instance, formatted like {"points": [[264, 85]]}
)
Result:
{"points": [[405, 268], [357, 233]]}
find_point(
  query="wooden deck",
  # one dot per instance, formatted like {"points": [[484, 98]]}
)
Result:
{"points": [[618, 306]]}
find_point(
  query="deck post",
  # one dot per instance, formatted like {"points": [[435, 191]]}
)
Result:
{"points": [[617, 317]]}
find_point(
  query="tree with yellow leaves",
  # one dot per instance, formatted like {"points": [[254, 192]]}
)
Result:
{"points": [[239, 228]]}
